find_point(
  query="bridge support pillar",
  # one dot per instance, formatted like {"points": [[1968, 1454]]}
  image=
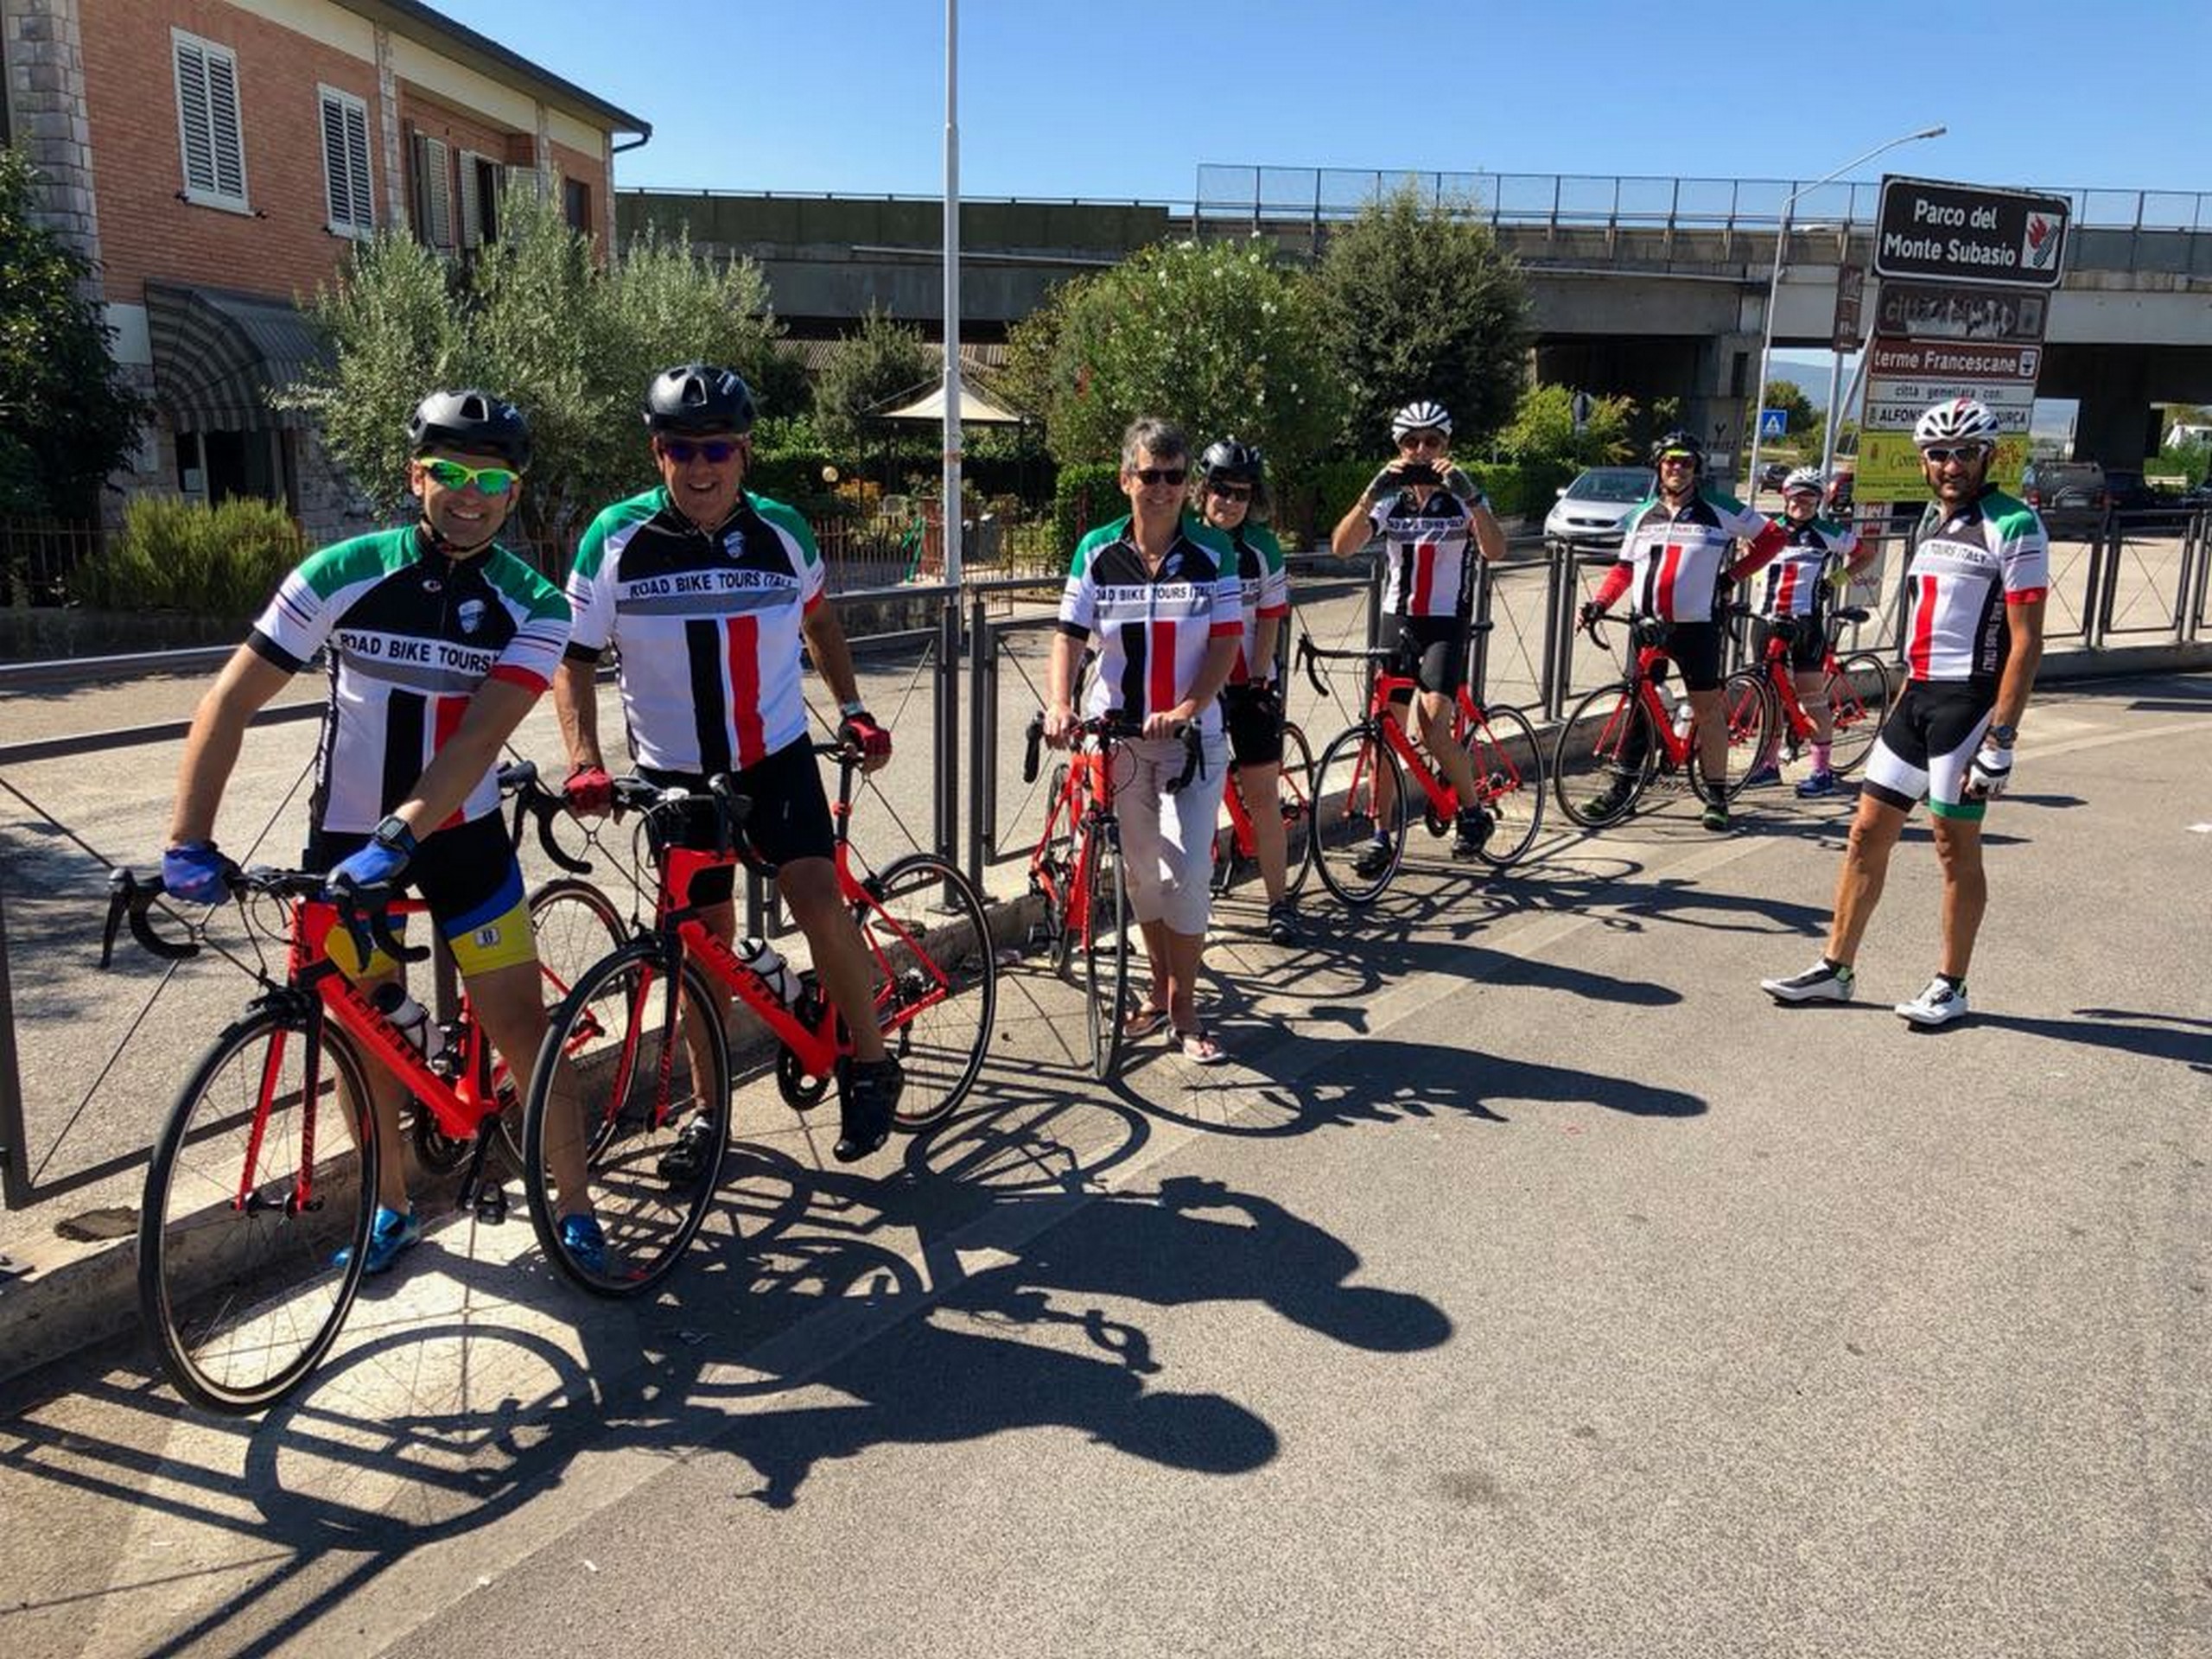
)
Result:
{"points": [[1713, 408]]}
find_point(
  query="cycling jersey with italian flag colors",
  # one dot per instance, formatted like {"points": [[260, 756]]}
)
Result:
{"points": [[412, 634], [1674, 559], [707, 626], [1793, 581], [1428, 567], [1152, 628], [1966, 568], [1264, 584]]}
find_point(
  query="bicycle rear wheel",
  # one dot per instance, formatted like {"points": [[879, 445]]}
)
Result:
{"points": [[1357, 846], [1747, 704], [1858, 702], [1104, 949], [1508, 767], [1297, 789], [256, 1186], [646, 1060], [1606, 753], [936, 977]]}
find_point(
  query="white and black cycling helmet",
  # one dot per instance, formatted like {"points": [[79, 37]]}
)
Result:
{"points": [[1805, 480], [1421, 415], [470, 422], [1962, 420], [695, 399], [1232, 460]]}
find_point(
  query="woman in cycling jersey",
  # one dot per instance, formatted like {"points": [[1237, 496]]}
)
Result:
{"points": [[1155, 593], [1227, 492], [1794, 600]]}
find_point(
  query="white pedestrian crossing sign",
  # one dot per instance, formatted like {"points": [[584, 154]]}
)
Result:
{"points": [[1774, 424]]}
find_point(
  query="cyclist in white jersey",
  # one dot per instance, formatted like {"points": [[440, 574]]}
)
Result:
{"points": [[1157, 592], [1794, 602], [1675, 553], [1433, 521], [1231, 477], [439, 641], [706, 592], [1976, 585]]}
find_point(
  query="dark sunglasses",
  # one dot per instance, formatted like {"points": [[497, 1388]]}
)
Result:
{"points": [[684, 452], [1963, 452], [1159, 474], [1229, 492], [488, 480], [1678, 457]]}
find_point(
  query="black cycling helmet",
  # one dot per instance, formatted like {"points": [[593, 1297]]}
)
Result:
{"points": [[696, 397], [1678, 441], [1227, 458], [471, 421]]}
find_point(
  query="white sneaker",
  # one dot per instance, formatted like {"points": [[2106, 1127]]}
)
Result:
{"points": [[1819, 983], [1938, 1005]]}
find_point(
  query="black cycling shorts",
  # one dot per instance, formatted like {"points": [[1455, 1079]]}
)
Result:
{"points": [[1255, 724], [1808, 640], [790, 817], [1928, 744], [1697, 649], [1431, 652], [468, 878]]}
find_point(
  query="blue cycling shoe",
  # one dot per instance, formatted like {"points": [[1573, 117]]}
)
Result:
{"points": [[1762, 777], [390, 1232], [585, 1244]]}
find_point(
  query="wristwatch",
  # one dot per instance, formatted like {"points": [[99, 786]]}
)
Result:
{"points": [[851, 707], [394, 837], [2003, 736]]}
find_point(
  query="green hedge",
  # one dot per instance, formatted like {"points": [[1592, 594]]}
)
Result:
{"points": [[1087, 494], [181, 555]]}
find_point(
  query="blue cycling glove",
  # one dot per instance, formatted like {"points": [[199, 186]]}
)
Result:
{"points": [[375, 866], [196, 871]]}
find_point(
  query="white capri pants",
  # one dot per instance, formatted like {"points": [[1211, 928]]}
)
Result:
{"points": [[1167, 840]]}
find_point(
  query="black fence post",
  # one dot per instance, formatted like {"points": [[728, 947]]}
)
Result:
{"points": [[983, 747], [14, 1159], [948, 730], [1479, 653]]}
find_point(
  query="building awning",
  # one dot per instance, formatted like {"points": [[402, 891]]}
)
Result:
{"points": [[218, 356]]}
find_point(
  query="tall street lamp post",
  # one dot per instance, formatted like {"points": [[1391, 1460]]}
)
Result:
{"points": [[1774, 289]]}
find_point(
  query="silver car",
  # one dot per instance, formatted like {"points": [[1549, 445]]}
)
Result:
{"points": [[1589, 510]]}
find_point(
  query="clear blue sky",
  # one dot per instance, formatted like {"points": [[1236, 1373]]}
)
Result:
{"points": [[1070, 98]]}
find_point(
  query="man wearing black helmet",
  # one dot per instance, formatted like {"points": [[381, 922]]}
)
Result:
{"points": [[1675, 551], [440, 640], [1432, 520], [706, 592]]}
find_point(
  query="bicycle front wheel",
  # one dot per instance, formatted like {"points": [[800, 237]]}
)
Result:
{"points": [[261, 1180], [1509, 775], [1858, 702], [1748, 706], [1104, 947], [633, 1077], [936, 978], [1606, 752], [1359, 842]]}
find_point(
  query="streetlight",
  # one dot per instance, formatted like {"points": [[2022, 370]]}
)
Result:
{"points": [[1774, 289]]}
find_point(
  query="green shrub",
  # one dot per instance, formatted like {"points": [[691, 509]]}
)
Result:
{"points": [[181, 555], [1087, 494]]}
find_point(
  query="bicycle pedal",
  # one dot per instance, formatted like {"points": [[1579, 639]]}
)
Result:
{"points": [[490, 1204]]}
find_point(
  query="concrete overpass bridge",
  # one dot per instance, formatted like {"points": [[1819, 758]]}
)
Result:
{"points": [[1654, 288]]}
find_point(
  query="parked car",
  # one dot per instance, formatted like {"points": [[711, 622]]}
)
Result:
{"points": [[1589, 512], [1772, 475], [2130, 492], [2070, 495]]}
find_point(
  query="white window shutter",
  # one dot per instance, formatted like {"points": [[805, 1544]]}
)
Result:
{"points": [[223, 113], [472, 203], [192, 114], [356, 157]]}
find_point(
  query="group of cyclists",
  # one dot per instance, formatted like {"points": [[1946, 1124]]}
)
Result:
{"points": [[439, 641]]}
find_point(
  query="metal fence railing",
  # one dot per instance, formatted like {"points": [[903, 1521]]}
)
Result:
{"points": [[38, 554]]}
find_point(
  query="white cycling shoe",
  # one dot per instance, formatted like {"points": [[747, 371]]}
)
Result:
{"points": [[1940, 1004]]}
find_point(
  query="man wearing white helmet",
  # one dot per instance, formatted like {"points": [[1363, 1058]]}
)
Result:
{"points": [[1976, 583], [1433, 519], [1791, 603]]}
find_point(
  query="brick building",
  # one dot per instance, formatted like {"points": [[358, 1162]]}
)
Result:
{"points": [[216, 159]]}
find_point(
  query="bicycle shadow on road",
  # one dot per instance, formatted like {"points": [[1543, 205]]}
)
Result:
{"points": [[2153, 1036]]}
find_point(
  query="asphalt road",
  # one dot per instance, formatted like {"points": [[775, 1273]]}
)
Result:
{"points": [[1529, 1285]]}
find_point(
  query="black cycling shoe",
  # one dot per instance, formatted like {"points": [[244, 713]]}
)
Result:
{"points": [[1474, 825], [1282, 922], [1373, 860], [868, 1097], [682, 1162]]}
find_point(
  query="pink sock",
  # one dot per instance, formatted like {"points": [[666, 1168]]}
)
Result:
{"points": [[1821, 752]]}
